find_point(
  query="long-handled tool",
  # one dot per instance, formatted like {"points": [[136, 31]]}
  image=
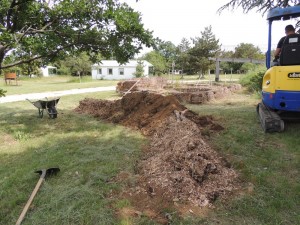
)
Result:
{"points": [[43, 174]]}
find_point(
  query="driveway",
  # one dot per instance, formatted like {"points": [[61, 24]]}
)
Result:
{"points": [[23, 97]]}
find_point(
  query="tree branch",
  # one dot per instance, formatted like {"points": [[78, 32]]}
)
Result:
{"points": [[53, 53], [262, 5]]}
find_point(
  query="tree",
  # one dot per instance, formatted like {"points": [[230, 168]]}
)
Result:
{"points": [[262, 6], [204, 47], [182, 61], [139, 69], [228, 67], [158, 61], [78, 65], [49, 29], [31, 68], [249, 51], [168, 50]]}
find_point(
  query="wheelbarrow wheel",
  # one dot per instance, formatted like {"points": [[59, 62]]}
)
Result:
{"points": [[52, 112]]}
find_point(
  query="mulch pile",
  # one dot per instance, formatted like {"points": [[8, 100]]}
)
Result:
{"points": [[178, 164]]}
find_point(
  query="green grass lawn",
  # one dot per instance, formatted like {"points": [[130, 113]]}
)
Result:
{"points": [[90, 153], [56, 83]]}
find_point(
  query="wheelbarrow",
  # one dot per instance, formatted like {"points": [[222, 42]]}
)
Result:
{"points": [[47, 104]]}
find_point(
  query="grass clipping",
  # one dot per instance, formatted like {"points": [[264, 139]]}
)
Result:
{"points": [[178, 165]]}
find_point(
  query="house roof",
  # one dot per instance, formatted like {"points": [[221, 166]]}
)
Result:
{"points": [[114, 63]]}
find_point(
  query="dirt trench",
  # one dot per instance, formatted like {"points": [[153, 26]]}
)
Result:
{"points": [[178, 166]]}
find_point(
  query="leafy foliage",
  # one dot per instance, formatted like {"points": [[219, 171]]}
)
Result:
{"points": [[2, 93], [204, 47], [243, 50], [47, 30], [158, 61], [139, 69], [262, 6], [249, 51], [253, 81], [80, 64], [182, 61], [168, 50], [192, 58]]}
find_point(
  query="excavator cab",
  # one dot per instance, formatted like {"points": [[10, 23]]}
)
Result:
{"points": [[281, 82]]}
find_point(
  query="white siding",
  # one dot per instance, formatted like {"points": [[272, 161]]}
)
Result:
{"points": [[128, 68], [45, 70]]}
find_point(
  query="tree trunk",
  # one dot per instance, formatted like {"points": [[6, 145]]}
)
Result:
{"points": [[2, 50]]}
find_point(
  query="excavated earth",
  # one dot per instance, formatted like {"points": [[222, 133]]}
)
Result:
{"points": [[178, 166], [184, 92]]}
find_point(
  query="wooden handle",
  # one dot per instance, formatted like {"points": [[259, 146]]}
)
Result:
{"points": [[25, 209]]}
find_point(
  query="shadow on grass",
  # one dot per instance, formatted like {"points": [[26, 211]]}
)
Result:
{"points": [[88, 152]]}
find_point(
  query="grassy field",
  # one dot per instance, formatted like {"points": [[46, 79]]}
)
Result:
{"points": [[56, 83], [90, 153]]}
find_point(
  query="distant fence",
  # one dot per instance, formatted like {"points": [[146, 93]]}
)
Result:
{"points": [[218, 60]]}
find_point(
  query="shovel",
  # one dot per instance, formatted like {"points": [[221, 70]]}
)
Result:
{"points": [[43, 174]]}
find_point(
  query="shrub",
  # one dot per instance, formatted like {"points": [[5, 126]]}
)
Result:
{"points": [[2, 93], [253, 81]]}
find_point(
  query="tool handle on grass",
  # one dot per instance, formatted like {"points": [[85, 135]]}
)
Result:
{"points": [[25, 209]]}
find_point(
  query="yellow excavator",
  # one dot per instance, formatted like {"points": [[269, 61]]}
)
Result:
{"points": [[281, 82]]}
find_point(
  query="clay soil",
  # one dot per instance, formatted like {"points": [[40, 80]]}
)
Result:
{"points": [[178, 168]]}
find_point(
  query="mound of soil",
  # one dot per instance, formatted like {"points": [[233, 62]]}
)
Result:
{"points": [[189, 93], [139, 110], [178, 165]]}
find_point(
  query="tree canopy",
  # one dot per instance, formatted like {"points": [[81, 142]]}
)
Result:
{"points": [[158, 61], [249, 51], [261, 6], [50, 29], [204, 47]]}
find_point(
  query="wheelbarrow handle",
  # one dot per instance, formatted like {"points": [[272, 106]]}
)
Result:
{"points": [[37, 187]]}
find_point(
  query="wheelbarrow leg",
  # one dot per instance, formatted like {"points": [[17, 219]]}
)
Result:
{"points": [[41, 113]]}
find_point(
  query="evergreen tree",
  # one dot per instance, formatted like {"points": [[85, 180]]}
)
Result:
{"points": [[204, 47], [139, 69]]}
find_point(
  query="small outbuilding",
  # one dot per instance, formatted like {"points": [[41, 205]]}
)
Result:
{"points": [[112, 70], [48, 71]]}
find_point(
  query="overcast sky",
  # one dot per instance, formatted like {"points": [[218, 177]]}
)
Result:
{"points": [[172, 20]]}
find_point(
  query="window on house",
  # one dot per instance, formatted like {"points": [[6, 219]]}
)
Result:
{"points": [[110, 71], [100, 71], [121, 71]]}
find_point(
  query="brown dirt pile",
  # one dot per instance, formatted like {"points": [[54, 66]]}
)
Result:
{"points": [[178, 165], [138, 110]]}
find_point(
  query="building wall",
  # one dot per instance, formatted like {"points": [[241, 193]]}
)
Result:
{"points": [[47, 71], [116, 72], [112, 73]]}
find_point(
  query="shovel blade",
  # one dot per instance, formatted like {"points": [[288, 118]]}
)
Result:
{"points": [[48, 172]]}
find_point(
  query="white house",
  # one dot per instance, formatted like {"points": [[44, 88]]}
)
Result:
{"points": [[48, 71], [112, 70]]}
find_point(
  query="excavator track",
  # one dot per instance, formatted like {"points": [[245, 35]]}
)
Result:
{"points": [[270, 121]]}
